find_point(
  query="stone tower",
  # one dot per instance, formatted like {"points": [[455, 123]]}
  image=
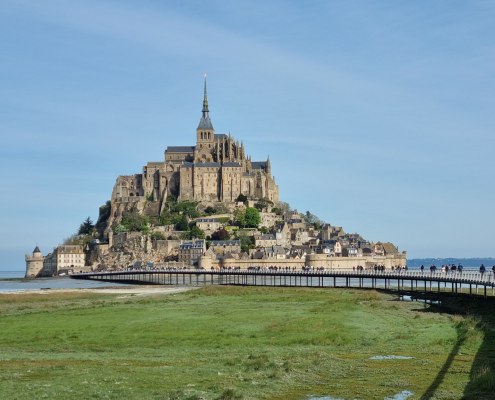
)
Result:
{"points": [[205, 134], [34, 264]]}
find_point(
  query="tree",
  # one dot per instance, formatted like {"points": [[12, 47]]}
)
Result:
{"points": [[182, 224], [221, 234], [197, 233], [86, 227], [247, 242], [240, 217], [120, 229], [261, 204], [135, 222], [252, 217], [242, 198], [103, 216], [284, 207], [313, 220], [193, 233], [210, 210], [157, 236]]}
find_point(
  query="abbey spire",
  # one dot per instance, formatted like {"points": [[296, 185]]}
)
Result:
{"points": [[205, 122]]}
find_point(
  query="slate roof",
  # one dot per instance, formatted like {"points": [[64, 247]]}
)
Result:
{"points": [[221, 243], [36, 250], [205, 123], [267, 236], [197, 244], [220, 136], [180, 149], [231, 164], [207, 164], [258, 164]]}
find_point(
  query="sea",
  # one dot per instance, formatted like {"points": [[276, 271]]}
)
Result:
{"points": [[13, 281]]}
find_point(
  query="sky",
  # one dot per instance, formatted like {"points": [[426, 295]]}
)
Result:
{"points": [[378, 116]]}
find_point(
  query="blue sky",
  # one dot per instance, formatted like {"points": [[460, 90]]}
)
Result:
{"points": [[377, 116]]}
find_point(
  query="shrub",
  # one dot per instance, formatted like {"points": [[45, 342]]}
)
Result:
{"points": [[157, 236]]}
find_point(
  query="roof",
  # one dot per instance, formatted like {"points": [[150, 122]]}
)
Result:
{"points": [[207, 164], [205, 123], [217, 136], [197, 244], [258, 164], [180, 149], [389, 248], [36, 250], [267, 236], [216, 243], [69, 249], [231, 164]]}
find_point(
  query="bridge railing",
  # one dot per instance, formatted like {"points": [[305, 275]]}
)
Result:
{"points": [[459, 276]]}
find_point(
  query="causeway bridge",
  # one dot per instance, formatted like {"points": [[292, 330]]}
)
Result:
{"points": [[467, 282]]}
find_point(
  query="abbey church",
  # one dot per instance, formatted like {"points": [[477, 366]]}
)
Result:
{"points": [[216, 169]]}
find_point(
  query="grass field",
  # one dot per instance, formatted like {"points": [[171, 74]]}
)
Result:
{"points": [[242, 343]]}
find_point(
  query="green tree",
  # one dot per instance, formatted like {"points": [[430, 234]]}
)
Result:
{"points": [[120, 229], [157, 236], [197, 233], [210, 210], [103, 216], [242, 198], [247, 242], [135, 222], [252, 217], [261, 204], [86, 227], [313, 220], [182, 224]]}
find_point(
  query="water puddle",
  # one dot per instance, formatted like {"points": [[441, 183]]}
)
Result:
{"points": [[400, 396], [404, 395], [425, 301], [391, 357]]}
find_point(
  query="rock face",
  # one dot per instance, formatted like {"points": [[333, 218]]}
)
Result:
{"points": [[216, 169], [134, 247]]}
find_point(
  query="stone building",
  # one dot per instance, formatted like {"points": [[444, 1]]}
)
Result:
{"points": [[216, 169], [190, 252], [64, 258], [34, 264]]}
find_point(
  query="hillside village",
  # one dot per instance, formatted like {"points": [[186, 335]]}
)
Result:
{"points": [[207, 206]]}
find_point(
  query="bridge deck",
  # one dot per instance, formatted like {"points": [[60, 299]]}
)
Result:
{"points": [[467, 282]]}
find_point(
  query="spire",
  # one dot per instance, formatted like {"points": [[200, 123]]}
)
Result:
{"points": [[205, 101], [205, 122]]}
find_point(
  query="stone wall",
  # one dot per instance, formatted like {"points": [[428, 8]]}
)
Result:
{"points": [[313, 260]]}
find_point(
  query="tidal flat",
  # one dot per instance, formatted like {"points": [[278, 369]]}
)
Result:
{"points": [[244, 343]]}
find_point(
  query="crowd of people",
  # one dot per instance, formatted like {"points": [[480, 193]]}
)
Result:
{"points": [[446, 269]]}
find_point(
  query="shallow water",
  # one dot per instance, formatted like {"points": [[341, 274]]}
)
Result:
{"points": [[405, 394], [391, 357], [19, 285], [400, 396]]}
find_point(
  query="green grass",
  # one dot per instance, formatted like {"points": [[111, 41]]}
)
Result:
{"points": [[240, 343]]}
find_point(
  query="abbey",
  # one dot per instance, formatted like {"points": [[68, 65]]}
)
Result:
{"points": [[216, 169]]}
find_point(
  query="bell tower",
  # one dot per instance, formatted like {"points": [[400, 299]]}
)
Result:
{"points": [[205, 134]]}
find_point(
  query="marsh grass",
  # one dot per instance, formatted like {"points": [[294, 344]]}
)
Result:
{"points": [[231, 343]]}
